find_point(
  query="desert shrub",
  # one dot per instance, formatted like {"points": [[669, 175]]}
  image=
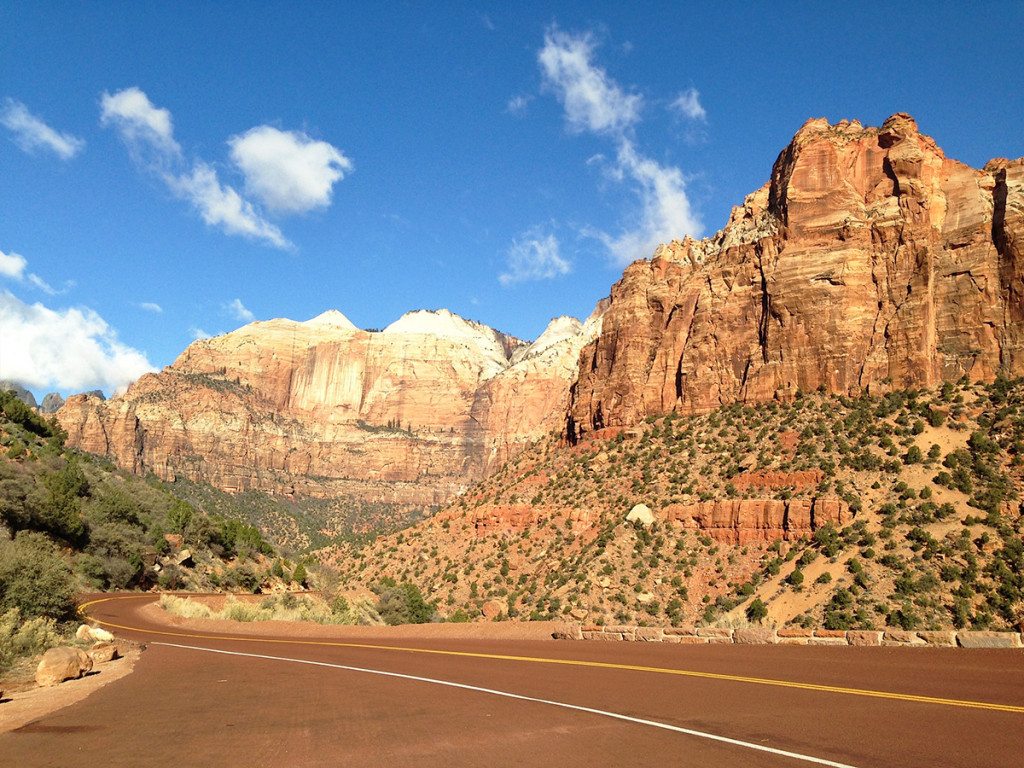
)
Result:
{"points": [[185, 608], [24, 637], [34, 578], [757, 611], [403, 604], [237, 610]]}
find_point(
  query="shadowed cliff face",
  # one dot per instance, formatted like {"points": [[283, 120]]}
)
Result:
{"points": [[409, 415], [869, 260]]}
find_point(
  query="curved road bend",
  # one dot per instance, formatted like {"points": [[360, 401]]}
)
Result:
{"points": [[206, 699]]}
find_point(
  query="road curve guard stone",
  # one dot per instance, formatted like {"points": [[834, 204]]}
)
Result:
{"points": [[690, 635], [985, 639]]}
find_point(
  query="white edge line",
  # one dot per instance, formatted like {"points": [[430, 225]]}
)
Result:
{"points": [[521, 697]]}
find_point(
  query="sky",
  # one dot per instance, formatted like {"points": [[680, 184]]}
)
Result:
{"points": [[175, 170]]}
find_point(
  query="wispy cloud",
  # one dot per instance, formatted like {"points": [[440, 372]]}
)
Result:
{"points": [[665, 211], [198, 334], [66, 349], [534, 256], [517, 104], [32, 133], [239, 311], [151, 306], [594, 102], [13, 266], [149, 133], [687, 104], [288, 171]]}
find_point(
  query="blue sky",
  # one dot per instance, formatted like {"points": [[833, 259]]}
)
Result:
{"points": [[501, 163]]}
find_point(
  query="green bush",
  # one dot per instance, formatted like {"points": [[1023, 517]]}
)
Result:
{"points": [[34, 578], [757, 611], [403, 604]]}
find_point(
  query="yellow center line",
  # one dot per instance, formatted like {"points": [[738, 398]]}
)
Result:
{"points": [[910, 697]]}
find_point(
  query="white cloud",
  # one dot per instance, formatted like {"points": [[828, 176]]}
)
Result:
{"points": [[518, 104], [534, 256], [31, 133], [595, 102], [70, 350], [151, 306], [665, 211], [239, 311], [688, 105], [138, 121], [12, 265], [592, 100], [288, 171], [149, 133], [199, 334], [222, 206]]}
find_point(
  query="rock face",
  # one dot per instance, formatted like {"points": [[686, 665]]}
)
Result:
{"points": [[410, 414], [869, 260], [739, 521], [51, 403]]}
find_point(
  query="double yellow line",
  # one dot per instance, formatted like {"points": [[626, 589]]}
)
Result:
{"points": [[909, 697]]}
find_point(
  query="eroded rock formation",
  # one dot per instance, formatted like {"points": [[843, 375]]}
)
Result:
{"points": [[410, 414], [869, 260]]}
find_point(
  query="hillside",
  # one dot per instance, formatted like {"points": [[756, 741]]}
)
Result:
{"points": [[897, 510], [72, 523]]}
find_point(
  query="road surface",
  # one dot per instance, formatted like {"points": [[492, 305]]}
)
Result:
{"points": [[212, 699]]}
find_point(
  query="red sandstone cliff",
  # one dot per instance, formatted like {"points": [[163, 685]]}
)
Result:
{"points": [[869, 260]]}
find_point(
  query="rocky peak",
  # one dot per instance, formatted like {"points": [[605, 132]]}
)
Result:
{"points": [[331, 318]]}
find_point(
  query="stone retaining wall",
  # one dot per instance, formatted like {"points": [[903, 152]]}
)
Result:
{"points": [[793, 636]]}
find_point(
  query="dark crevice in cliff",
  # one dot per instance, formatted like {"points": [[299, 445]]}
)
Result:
{"points": [[766, 309]]}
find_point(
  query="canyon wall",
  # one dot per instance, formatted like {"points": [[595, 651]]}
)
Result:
{"points": [[409, 415], [870, 260]]}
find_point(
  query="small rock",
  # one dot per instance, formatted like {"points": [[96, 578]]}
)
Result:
{"points": [[60, 664], [642, 514], [579, 613], [101, 653], [645, 597]]}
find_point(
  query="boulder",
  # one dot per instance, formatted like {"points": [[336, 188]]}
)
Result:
{"points": [[492, 609], [642, 514], [60, 664], [184, 558], [101, 653], [87, 632]]}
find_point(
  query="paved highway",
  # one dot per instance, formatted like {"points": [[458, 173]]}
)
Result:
{"points": [[211, 699]]}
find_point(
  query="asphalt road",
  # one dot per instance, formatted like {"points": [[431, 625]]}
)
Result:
{"points": [[203, 699]]}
